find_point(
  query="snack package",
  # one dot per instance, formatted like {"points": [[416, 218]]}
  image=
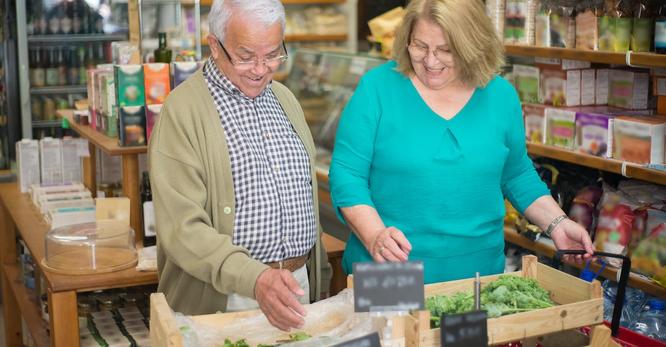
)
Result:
{"points": [[383, 28], [583, 208], [615, 224], [649, 257]]}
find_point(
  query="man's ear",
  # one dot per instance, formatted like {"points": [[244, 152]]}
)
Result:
{"points": [[214, 46]]}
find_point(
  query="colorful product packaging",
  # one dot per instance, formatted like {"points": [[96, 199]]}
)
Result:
{"points": [[639, 139], [553, 87], [132, 126], [594, 134], [112, 123], [628, 89], [152, 114], [183, 70], [526, 80], [587, 33], [27, 160], [129, 85], [559, 127], [534, 115], [157, 82], [72, 168]]}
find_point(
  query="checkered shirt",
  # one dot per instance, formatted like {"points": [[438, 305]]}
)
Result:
{"points": [[275, 217]]}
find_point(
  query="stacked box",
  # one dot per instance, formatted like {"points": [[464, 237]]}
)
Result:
{"points": [[553, 87], [50, 151], [639, 139], [27, 158], [129, 85], [559, 127], [71, 161], [588, 81], [628, 89], [534, 115], [152, 114], [132, 126], [594, 134], [526, 80], [183, 70], [157, 82], [601, 86]]}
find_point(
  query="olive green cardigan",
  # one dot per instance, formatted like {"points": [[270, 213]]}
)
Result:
{"points": [[193, 195]]}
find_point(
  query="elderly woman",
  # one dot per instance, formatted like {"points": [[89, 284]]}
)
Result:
{"points": [[430, 145]]}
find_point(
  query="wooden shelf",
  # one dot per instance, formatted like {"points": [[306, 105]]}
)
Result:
{"points": [[33, 231], [286, 2], [107, 144], [641, 59], [610, 165], [29, 306], [635, 281]]}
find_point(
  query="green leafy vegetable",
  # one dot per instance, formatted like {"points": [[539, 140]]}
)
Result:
{"points": [[239, 343], [506, 295], [297, 336]]}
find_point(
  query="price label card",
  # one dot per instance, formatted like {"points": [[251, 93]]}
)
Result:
{"points": [[388, 287], [465, 330], [371, 340]]}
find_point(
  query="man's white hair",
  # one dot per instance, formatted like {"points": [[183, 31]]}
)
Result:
{"points": [[266, 12]]}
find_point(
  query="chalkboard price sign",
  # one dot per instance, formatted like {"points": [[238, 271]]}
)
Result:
{"points": [[388, 287], [370, 340], [465, 330]]}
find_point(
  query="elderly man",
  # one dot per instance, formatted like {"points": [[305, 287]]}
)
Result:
{"points": [[232, 171]]}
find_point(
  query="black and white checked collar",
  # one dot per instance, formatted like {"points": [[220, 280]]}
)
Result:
{"points": [[219, 80]]}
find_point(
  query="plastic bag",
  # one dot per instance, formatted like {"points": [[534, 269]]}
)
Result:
{"points": [[649, 257]]}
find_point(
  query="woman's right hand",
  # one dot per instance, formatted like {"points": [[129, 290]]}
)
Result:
{"points": [[390, 244]]}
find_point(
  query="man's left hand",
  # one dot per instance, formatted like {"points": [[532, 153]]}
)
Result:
{"points": [[571, 235]]}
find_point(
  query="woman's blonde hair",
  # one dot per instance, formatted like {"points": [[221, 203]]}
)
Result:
{"points": [[477, 50]]}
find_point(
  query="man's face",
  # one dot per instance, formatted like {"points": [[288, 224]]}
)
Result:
{"points": [[245, 41]]}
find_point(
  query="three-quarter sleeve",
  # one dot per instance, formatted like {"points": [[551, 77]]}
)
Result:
{"points": [[520, 182], [353, 151]]}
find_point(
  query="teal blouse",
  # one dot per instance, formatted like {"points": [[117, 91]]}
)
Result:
{"points": [[442, 182]]}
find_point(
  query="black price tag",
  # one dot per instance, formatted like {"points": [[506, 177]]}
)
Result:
{"points": [[465, 330], [388, 287], [371, 340]]}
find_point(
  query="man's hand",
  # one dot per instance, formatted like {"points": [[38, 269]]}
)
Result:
{"points": [[276, 292], [571, 235]]}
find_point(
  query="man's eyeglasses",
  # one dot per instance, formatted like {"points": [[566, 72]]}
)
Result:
{"points": [[419, 52], [272, 62]]}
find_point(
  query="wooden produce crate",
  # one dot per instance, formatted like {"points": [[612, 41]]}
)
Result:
{"points": [[579, 304], [164, 330]]}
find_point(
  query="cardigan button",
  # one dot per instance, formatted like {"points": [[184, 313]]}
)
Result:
{"points": [[227, 210]]}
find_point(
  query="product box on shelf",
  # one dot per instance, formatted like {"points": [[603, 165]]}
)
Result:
{"points": [[71, 161], [588, 81], [594, 134], [132, 126], [129, 83], [519, 22], [570, 64], [37, 191], [157, 82], [628, 89], [559, 87], [526, 80], [112, 123], [60, 217], [559, 127], [152, 114], [639, 139], [534, 115], [108, 92], [601, 86], [183, 70], [50, 202], [587, 30], [92, 96], [50, 154], [27, 158]]}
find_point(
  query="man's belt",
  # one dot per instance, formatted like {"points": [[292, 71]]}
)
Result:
{"points": [[291, 264]]}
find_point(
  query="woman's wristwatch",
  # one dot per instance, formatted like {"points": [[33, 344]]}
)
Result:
{"points": [[557, 220]]}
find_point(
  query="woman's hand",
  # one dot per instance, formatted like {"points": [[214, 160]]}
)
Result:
{"points": [[390, 244], [571, 235]]}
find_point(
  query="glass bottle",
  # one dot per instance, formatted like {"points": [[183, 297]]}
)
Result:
{"points": [[76, 19], [73, 67], [85, 19], [65, 17], [54, 22], [38, 71], [62, 67], [149, 237], [162, 53], [40, 25], [51, 65], [83, 74]]}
